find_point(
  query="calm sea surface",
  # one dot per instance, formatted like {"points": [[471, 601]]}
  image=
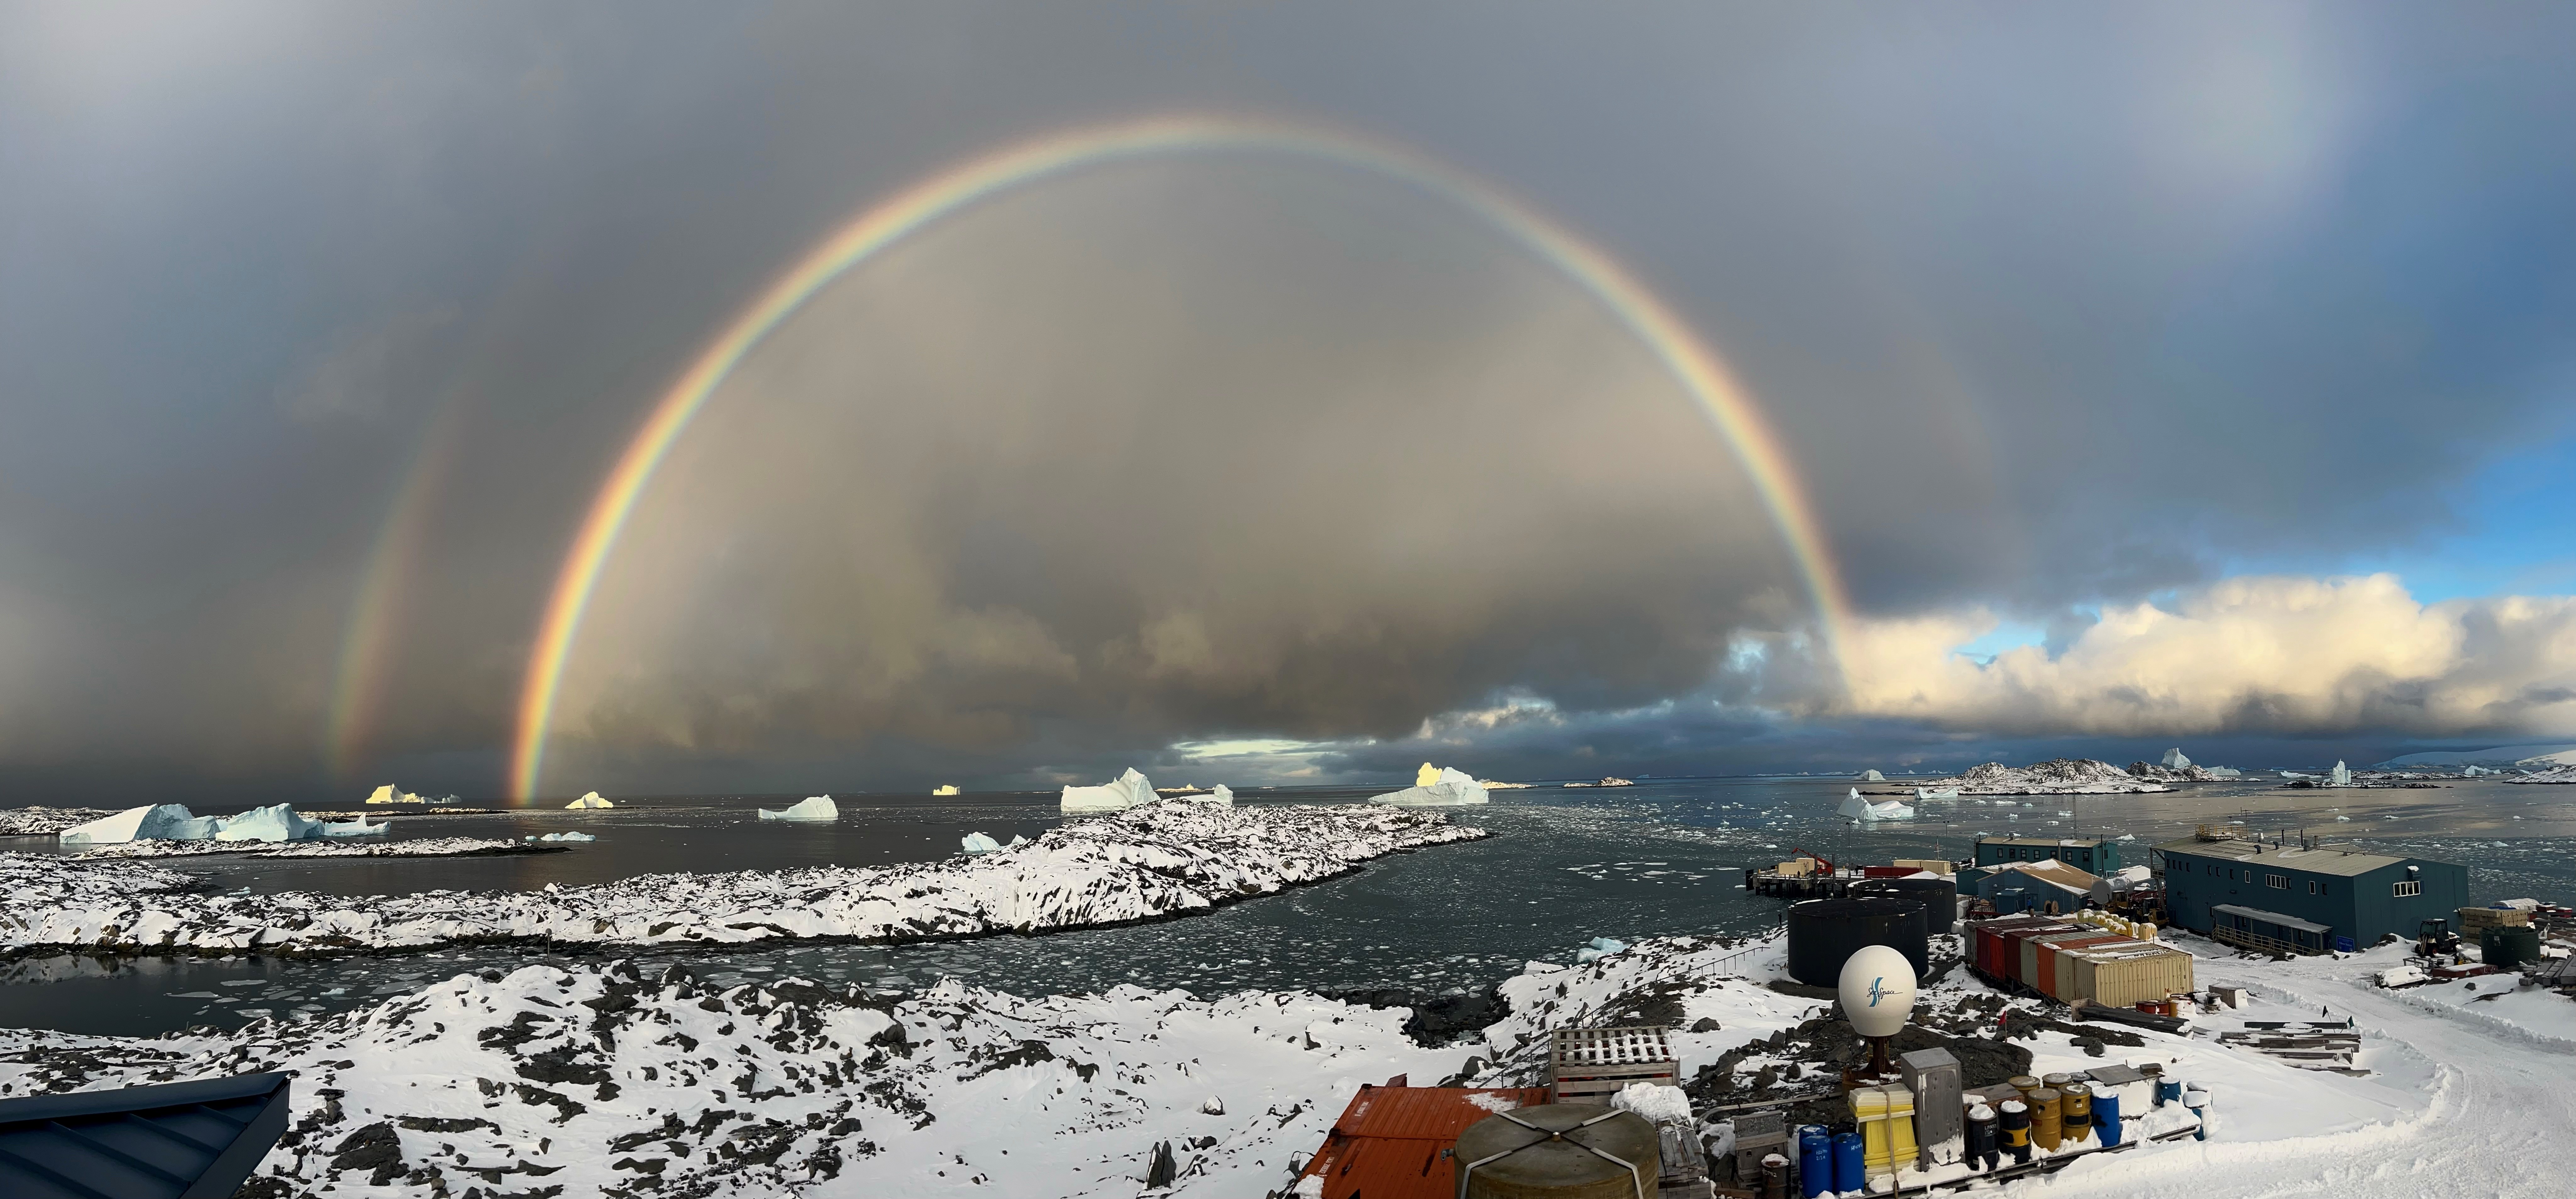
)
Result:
{"points": [[1566, 865]]}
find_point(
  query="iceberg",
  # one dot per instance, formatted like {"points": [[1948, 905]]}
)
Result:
{"points": [[2222, 772], [565, 837], [2342, 776], [978, 844], [1448, 788], [393, 794], [591, 800], [1924, 793], [357, 828], [1221, 795], [944, 789], [817, 809], [161, 822], [1872, 776], [1426, 776], [2175, 759], [1861, 809], [1117, 795], [277, 822]]}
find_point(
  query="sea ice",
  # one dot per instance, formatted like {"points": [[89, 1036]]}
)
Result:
{"points": [[1448, 787], [818, 809], [590, 800], [356, 828], [1117, 795], [978, 843], [565, 837]]}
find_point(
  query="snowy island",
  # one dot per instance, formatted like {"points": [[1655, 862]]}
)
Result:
{"points": [[1161, 859]]}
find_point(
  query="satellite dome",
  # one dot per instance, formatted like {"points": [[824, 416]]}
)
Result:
{"points": [[1877, 991]]}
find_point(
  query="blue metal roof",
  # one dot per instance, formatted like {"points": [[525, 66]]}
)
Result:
{"points": [[181, 1140]]}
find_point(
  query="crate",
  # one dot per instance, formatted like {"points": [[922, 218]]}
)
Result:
{"points": [[2477, 920], [1589, 1065]]}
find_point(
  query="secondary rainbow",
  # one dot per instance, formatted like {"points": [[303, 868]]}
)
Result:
{"points": [[1697, 368]]}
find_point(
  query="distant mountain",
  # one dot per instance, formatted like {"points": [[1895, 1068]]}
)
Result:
{"points": [[2503, 755]]}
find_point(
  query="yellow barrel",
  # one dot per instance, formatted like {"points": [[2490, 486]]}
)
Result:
{"points": [[2044, 1114], [2075, 1112], [2025, 1084]]}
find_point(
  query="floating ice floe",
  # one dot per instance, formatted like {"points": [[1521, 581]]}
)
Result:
{"points": [[1436, 788], [356, 828], [1116, 795], [817, 809], [978, 843], [944, 789], [565, 837], [1599, 947], [590, 800], [1859, 808], [1925, 793]]}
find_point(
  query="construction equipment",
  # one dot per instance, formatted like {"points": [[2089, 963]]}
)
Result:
{"points": [[2434, 939]]}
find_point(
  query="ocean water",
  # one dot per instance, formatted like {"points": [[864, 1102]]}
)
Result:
{"points": [[1566, 865]]}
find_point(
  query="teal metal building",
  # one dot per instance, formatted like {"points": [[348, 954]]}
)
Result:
{"points": [[2302, 898]]}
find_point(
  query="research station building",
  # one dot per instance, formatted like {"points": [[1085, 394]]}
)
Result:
{"points": [[2095, 856], [2301, 898]]}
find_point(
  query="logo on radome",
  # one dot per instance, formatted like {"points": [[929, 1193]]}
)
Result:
{"points": [[1877, 988]]}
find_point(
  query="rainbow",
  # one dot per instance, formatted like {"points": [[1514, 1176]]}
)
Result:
{"points": [[1691, 363], [366, 644]]}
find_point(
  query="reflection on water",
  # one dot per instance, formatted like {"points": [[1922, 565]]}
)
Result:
{"points": [[1567, 865]]}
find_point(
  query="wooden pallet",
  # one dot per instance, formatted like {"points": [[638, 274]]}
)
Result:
{"points": [[1589, 1065]]}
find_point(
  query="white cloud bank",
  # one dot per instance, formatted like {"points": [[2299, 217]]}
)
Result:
{"points": [[2256, 654]]}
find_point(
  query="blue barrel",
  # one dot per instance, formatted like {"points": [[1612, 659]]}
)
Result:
{"points": [[2168, 1090], [1815, 1161], [1847, 1163], [2106, 1116]]}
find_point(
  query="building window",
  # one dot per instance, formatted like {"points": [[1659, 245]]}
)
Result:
{"points": [[2404, 889], [2312, 887], [2277, 882]]}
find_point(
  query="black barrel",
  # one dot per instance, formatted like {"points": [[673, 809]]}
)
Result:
{"points": [[1824, 933]]}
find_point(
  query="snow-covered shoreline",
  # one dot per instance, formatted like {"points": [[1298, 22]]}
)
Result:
{"points": [[426, 847], [602, 1081], [2059, 776], [45, 822], [1154, 861]]}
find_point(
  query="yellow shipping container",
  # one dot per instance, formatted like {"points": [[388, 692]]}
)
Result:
{"points": [[1935, 865], [2124, 974], [1798, 869]]}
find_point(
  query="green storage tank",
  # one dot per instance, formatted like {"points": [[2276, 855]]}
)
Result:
{"points": [[2509, 948]]}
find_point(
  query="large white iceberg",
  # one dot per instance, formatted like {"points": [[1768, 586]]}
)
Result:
{"points": [[1446, 788], [1872, 776], [1861, 809], [173, 822], [1117, 795], [277, 822], [2342, 776], [590, 800], [2175, 759], [161, 822], [978, 844], [818, 809]]}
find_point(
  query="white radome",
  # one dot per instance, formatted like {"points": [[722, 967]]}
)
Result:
{"points": [[1877, 989]]}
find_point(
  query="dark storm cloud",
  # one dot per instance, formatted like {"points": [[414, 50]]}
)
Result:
{"points": [[2054, 306]]}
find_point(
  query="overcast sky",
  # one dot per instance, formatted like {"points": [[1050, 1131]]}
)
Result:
{"points": [[2172, 374]]}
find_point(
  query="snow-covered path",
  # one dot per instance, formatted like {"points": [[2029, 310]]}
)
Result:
{"points": [[2496, 1106]]}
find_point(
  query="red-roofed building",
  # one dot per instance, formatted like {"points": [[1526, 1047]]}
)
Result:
{"points": [[1392, 1142]]}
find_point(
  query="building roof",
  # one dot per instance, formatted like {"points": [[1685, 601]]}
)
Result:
{"points": [[2272, 918], [2051, 842], [2050, 871], [2332, 860], [1387, 1144]]}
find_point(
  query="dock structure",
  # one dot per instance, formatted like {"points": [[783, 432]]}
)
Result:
{"points": [[1814, 876]]}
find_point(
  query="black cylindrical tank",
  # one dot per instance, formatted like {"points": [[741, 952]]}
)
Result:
{"points": [[1939, 897], [1823, 934]]}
